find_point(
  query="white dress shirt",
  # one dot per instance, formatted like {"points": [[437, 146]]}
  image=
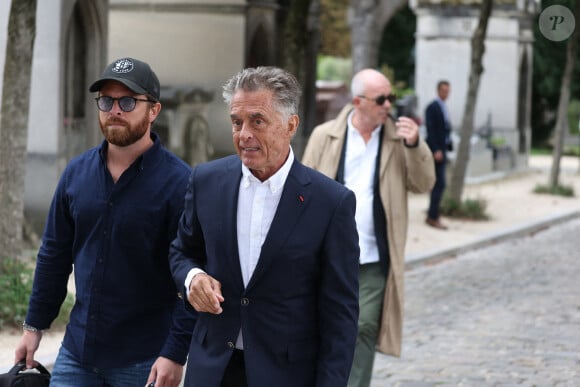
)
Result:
{"points": [[443, 106], [359, 173], [257, 204]]}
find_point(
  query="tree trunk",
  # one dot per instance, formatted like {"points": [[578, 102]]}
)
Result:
{"points": [[310, 73], [477, 51], [564, 101], [14, 124], [367, 19], [300, 42]]}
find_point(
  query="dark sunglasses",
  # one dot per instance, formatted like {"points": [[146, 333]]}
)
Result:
{"points": [[380, 100], [126, 103]]}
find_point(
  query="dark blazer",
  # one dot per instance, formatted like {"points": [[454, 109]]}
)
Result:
{"points": [[438, 130], [299, 312]]}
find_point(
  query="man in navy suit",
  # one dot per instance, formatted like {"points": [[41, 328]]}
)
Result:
{"points": [[438, 139], [267, 253]]}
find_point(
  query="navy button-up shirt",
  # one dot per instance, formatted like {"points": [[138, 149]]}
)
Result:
{"points": [[116, 236]]}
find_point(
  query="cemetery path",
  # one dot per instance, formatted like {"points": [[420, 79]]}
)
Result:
{"points": [[513, 208]]}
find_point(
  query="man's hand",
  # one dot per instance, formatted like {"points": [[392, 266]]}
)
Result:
{"points": [[205, 294], [26, 348], [438, 156], [165, 373], [408, 130]]}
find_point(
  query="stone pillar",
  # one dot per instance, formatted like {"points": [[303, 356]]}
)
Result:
{"points": [[443, 50]]}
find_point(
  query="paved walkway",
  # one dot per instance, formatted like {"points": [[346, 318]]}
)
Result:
{"points": [[511, 203], [504, 315], [515, 210]]}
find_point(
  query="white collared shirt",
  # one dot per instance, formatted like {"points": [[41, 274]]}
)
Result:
{"points": [[257, 204], [443, 106], [359, 173]]}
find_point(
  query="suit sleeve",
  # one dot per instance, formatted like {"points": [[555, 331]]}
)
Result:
{"points": [[338, 295], [435, 124], [187, 251]]}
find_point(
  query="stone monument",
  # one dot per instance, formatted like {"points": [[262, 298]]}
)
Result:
{"points": [[443, 50]]}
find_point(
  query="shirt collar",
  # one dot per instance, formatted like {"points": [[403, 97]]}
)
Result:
{"points": [[276, 181], [148, 159], [352, 130]]}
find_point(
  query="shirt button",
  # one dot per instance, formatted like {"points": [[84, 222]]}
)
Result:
{"points": [[231, 344], [245, 301]]}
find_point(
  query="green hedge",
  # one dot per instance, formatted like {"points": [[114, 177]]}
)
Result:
{"points": [[16, 278]]}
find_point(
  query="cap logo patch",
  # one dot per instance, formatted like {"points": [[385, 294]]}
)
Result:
{"points": [[123, 66]]}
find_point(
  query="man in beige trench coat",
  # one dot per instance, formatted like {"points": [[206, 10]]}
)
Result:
{"points": [[380, 160]]}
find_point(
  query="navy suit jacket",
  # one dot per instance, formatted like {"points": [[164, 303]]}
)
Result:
{"points": [[438, 130], [299, 312]]}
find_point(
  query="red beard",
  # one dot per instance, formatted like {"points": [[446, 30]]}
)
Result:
{"points": [[128, 134]]}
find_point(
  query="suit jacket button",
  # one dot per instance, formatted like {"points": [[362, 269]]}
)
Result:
{"points": [[245, 301], [231, 344]]}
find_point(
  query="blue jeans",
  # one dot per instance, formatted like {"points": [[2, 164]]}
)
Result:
{"points": [[68, 372]]}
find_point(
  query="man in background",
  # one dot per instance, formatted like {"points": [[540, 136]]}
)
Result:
{"points": [[380, 160], [439, 141]]}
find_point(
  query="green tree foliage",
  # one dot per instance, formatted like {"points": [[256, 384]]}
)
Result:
{"points": [[335, 35], [549, 63], [332, 68], [398, 46]]}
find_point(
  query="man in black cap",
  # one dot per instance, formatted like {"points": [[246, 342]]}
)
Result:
{"points": [[112, 217]]}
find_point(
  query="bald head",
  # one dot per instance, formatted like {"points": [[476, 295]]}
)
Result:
{"points": [[366, 78], [371, 98]]}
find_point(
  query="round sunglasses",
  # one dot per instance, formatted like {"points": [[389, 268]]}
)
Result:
{"points": [[126, 103]]}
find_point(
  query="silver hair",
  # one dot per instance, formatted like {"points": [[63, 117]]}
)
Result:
{"points": [[285, 87]]}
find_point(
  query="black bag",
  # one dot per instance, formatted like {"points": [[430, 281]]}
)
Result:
{"points": [[19, 376]]}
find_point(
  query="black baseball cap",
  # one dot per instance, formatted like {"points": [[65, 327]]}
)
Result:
{"points": [[135, 74]]}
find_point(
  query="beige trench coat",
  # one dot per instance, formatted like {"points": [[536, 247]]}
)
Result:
{"points": [[402, 169]]}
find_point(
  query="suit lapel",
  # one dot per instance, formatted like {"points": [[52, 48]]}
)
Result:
{"points": [[289, 211], [230, 185]]}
